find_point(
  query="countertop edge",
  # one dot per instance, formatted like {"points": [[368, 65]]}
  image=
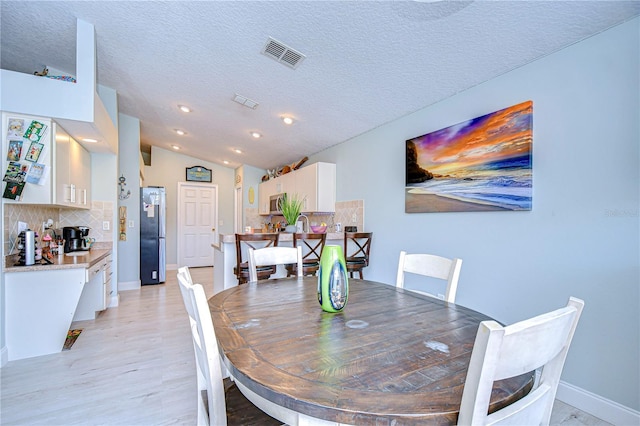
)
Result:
{"points": [[60, 262], [284, 236]]}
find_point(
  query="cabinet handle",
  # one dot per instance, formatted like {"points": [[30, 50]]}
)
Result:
{"points": [[73, 193]]}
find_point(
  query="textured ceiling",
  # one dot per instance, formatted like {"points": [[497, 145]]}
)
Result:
{"points": [[367, 63]]}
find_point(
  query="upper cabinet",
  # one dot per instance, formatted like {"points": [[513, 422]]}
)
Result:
{"points": [[314, 184], [72, 172], [47, 169]]}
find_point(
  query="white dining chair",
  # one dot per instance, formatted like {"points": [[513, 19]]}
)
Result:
{"points": [[501, 352], [219, 402], [431, 266], [274, 256]]}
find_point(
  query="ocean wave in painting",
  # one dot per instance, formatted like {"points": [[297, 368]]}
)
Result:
{"points": [[507, 187]]}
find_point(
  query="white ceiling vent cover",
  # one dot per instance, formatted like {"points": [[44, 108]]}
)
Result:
{"points": [[282, 53]]}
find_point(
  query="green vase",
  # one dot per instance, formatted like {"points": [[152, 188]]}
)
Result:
{"points": [[333, 284]]}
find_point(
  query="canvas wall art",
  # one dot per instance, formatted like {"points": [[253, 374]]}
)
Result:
{"points": [[483, 164]]}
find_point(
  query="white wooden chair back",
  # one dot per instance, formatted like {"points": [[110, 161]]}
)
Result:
{"points": [[274, 256], [211, 397], [431, 266], [502, 352]]}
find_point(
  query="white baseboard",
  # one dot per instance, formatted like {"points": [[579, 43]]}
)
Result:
{"points": [[4, 356], [603, 408], [115, 301], [128, 285]]}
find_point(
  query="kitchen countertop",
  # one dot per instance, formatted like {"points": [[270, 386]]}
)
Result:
{"points": [[59, 262], [284, 236]]}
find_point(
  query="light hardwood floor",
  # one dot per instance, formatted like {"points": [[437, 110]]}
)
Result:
{"points": [[134, 365]]}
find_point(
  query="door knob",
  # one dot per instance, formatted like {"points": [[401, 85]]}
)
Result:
{"points": [[213, 229]]}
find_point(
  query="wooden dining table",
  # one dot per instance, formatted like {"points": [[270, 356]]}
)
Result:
{"points": [[391, 357]]}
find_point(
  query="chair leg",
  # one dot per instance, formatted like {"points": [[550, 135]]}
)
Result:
{"points": [[360, 272]]}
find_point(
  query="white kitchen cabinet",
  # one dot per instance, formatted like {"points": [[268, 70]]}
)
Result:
{"points": [[72, 171], [96, 293], [315, 185], [107, 286], [67, 166], [265, 191]]}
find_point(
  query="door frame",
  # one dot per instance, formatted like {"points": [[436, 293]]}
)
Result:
{"points": [[237, 209], [216, 232]]}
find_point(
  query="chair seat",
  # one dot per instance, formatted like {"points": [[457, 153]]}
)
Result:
{"points": [[241, 411], [264, 272]]}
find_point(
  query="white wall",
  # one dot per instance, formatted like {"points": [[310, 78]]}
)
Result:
{"points": [[582, 236], [129, 167], [167, 169]]}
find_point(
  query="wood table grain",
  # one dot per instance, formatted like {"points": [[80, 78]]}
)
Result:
{"points": [[391, 357]]}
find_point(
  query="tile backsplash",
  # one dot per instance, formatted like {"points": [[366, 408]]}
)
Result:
{"points": [[348, 213], [35, 215]]}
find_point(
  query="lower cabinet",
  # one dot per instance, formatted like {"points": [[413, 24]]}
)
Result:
{"points": [[97, 290]]}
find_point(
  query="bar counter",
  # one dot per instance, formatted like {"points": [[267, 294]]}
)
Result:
{"points": [[224, 256]]}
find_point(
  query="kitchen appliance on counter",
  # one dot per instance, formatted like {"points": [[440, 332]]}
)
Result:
{"points": [[152, 235], [74, 238], [27, 246]]}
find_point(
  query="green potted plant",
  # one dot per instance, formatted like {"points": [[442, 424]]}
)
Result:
{"points": [[290, 206]]}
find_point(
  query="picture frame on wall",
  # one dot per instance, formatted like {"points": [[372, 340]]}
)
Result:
{"points": [[198, 174], [482, 164]]}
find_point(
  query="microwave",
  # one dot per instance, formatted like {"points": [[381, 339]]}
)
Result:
{"points": [[274, 204]]}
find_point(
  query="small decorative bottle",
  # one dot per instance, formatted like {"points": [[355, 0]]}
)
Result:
{"points": [[333, 284]]}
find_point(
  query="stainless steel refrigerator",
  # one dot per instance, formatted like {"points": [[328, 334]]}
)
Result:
{"points": [[152, 235]]}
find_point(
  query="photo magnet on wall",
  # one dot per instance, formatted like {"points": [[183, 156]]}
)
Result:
{"points": [[16, 128], [13, 190], [14, 151], [34, 151], [16, 172], [37, 174], [35, 131]]}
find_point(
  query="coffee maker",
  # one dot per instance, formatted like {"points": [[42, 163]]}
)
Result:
{"points": [[74, 238]]}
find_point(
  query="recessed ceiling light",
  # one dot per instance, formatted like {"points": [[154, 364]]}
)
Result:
{"points": [[176, 147], [238, 151], [287, 120], [184, 108], [256, 135], [180, 132], [225, 162], [90, 140]]}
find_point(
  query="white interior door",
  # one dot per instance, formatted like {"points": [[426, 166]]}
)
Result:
{"points": [[197, 219]]}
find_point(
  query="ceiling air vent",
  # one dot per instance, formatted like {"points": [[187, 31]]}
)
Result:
{"points": [[282, 53]]}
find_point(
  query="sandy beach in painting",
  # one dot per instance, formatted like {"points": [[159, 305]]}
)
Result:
{"points": [[431, 203]]}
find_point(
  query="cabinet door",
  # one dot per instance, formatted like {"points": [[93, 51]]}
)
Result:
{"points": [[306, 187], [80, 162], [63, 189], [265, 190], [326, 187], [287, 183]]}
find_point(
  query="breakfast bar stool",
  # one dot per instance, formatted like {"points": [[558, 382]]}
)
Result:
{"points": [[357, 246], [312, 245], [252, 241]]}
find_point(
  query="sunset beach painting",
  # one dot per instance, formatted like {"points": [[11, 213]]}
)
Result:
{"points": [[483, 164]]}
